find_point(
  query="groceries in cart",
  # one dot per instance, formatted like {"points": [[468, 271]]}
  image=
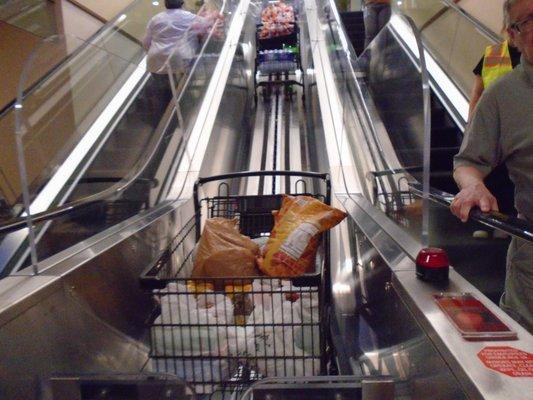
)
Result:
{"points": [[277, 19], [223, 252], [207, 344], [272, 61], [290, 250], [294, 241], [286, 54], [244, 299]]}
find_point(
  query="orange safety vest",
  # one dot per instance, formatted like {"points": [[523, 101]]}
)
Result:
{"points": [[496, 63]]}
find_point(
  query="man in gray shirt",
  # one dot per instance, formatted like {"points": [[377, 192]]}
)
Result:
{"points": [[501, 131]]}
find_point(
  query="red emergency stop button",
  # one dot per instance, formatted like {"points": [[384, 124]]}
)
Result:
{"points": [[432, 265]]}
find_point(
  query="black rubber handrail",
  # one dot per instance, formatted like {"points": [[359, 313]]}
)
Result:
{"points": [[514, 226]]}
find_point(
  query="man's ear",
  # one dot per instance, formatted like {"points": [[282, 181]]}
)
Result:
{"points": [[507, 35], [512, 34]]}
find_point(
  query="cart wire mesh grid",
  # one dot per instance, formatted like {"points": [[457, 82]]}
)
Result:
{"points": [[221, 332]]}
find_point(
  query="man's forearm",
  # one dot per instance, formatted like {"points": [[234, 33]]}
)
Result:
{"points": [[466, 176]]}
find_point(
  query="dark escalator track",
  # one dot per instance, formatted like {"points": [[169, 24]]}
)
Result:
{"points": [[134, 131], [354, 26], [445, 142]]}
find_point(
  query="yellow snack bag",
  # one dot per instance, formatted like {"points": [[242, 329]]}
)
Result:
{"points": [[294, 240], [286, 203]]}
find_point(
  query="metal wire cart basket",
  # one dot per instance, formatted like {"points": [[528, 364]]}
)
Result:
{"points": [[214, 334]]}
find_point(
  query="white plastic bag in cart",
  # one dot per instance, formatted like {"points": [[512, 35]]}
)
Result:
{"points": [[208, 367], [307, 336], [276, 333], [179, 305], [293, 307], [181, 328], [186, 328], [175, 347], [263, 291], [273, 308], [277, 355], [198, 370]]}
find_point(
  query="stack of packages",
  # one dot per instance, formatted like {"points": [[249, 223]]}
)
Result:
{"points": [[245, 314], [277, 20]]}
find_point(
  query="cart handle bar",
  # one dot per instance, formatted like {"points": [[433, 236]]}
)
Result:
{"points": [[244, 174]]}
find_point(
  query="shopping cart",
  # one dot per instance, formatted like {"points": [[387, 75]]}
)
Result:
{"points": [[277, 59], [282, 325], [392, 192]]}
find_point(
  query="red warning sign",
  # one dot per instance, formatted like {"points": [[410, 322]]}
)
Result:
{"points": [[507, 360]]}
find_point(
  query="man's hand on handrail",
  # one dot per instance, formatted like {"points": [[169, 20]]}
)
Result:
{"points": [[473, 193]]}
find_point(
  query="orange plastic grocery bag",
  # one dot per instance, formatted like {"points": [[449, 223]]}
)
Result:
{"points": [[224, 252], [294, 240]]}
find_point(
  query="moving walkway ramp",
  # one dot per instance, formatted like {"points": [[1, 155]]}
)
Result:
{"points": [[77, 308]]}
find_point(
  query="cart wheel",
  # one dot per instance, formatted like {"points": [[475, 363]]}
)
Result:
{"points": [[266, 93], [332, 368]]}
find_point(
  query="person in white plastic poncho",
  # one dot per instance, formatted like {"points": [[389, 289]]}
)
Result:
{"points": [[175, 32], [172, 40]]}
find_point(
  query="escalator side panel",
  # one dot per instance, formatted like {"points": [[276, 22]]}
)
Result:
{"points": [[85, 313]]}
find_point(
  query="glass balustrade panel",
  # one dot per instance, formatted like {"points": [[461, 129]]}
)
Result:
{"points": [[454, 42], [95, 135]]}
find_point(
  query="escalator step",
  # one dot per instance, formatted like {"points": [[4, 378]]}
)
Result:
{"points": [[352, 21], [351, 14], [354, 27], [357, 37], [357, 45], [438, 117], [445, 137], [352, 17], [435, 102], [443, 181], [441, 118], [442, 158]]}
